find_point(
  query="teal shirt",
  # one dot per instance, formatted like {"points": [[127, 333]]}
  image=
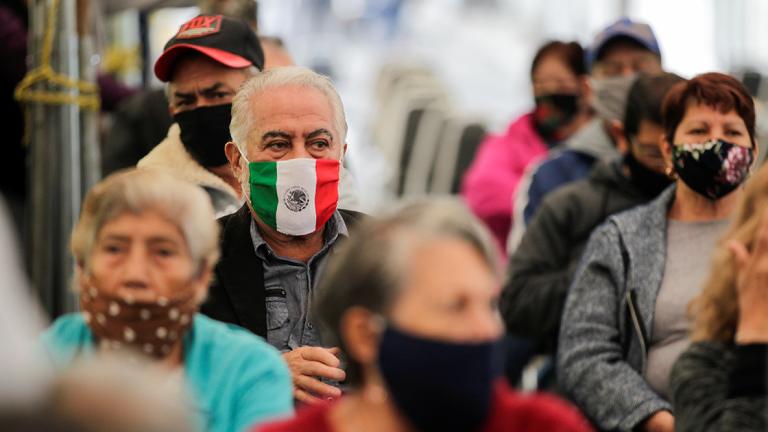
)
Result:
{"points": [[235, 378]]}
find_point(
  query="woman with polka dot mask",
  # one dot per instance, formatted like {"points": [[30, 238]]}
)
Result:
{"points": [[145, 247]]}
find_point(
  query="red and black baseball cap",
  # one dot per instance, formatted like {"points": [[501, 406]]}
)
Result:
{"points": [[228, 41]]}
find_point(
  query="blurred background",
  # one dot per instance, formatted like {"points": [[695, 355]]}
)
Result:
{"points": [[422, 82]]}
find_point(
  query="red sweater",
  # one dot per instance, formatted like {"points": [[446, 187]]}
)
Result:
{"points": [[511, 411]]}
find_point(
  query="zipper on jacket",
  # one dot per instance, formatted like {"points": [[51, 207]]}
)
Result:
{"points": [[637, 323]]}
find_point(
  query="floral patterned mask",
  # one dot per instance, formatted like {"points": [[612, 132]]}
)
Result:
{"points": [[713, 169]]}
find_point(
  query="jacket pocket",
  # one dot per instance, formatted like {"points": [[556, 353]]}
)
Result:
{"points": [[636, 321]]}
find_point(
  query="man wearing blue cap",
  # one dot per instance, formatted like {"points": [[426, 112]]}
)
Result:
{"points": [[616, 55]]}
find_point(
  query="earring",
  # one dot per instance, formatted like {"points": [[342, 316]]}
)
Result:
{"points": [[670, 172]]}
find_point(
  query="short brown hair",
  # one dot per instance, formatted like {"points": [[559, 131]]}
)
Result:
{"points": [[571, 54], [719, 91]]}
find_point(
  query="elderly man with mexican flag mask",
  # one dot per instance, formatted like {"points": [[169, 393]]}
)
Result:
{"points": [[288, 140]]}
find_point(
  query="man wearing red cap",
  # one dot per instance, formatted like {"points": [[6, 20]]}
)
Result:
{"points": [[204, 64]]}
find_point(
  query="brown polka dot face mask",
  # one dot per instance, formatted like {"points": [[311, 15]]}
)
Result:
{"points": [[150, 327]]}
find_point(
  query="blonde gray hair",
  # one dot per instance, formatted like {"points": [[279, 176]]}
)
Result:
{"points": [[144, 189], [242, 118]]}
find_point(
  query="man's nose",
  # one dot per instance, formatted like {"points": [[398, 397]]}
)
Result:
{"points": [[628, 70]]}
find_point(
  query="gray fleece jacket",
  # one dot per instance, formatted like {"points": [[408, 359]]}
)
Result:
{"points": [[608, 316]]}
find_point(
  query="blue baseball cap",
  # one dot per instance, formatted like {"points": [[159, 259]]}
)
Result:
{"points": [[624, 27]]}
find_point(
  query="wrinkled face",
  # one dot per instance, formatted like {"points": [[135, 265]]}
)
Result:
{"points": [[625, 58], [646, 146], [198, 81], [289, 122], [450, 294], [553, 76], [142, 256]]}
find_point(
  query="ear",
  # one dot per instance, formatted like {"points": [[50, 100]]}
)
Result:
{"points": [[616, 131], [360, 335], [235, 158], [666, 151], [584, 87], [82, 277]]}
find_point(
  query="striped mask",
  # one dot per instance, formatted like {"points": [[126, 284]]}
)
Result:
{"points": [[297, 196]]}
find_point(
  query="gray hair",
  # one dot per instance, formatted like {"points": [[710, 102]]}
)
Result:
{"points": [[368, 270], [242, 119], [144, 189]]}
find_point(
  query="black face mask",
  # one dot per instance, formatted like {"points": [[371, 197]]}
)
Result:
{"points": [[204, 132], [649, 182], [553, 111], [440, 386], [714, 168]]}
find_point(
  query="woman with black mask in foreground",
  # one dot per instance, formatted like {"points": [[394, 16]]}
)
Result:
{"points": [[411, 300]]}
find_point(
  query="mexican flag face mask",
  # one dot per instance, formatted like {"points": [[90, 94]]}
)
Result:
{"points": [[297, 196]]}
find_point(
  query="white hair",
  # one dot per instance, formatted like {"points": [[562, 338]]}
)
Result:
{"points": [[242, 118]]}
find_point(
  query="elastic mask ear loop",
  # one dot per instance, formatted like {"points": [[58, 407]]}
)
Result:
{"points": [[242, 154], [244, 197]]}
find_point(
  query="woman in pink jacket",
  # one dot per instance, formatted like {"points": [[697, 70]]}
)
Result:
{"points": [[558, 76]]}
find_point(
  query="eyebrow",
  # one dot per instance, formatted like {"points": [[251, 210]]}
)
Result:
{"points": [[188, 95], [216, 86], [275, 134], [321, 131], [128, 239]]}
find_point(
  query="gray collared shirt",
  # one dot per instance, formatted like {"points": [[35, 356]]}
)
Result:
{"points": [[289, 285]]}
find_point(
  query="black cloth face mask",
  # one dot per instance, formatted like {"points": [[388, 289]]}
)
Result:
{"points": [[440, 386], [204, 132], [553, 112]]}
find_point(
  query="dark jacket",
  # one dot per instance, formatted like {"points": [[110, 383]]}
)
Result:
{"points": [[608, 315], [572, 163], [543, 265], [719, 387], [237, 293]]}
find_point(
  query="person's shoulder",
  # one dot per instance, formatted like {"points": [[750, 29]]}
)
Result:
{"points": [[69, 326], [309, 418], [533, 412], [231, 343], [563, 164], [235, 223], [704, 352], [639, 217], [65, 337], [352, 218]]}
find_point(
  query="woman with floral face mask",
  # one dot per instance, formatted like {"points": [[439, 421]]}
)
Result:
{"points": [[145, 246], [625, 320], [411, 300]]}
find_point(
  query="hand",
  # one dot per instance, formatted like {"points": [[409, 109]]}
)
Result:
{"points": [[752, 285], [307, 364], [660, 421]]}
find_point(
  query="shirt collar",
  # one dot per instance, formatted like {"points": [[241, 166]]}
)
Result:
{"points": [[333, 229]]}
